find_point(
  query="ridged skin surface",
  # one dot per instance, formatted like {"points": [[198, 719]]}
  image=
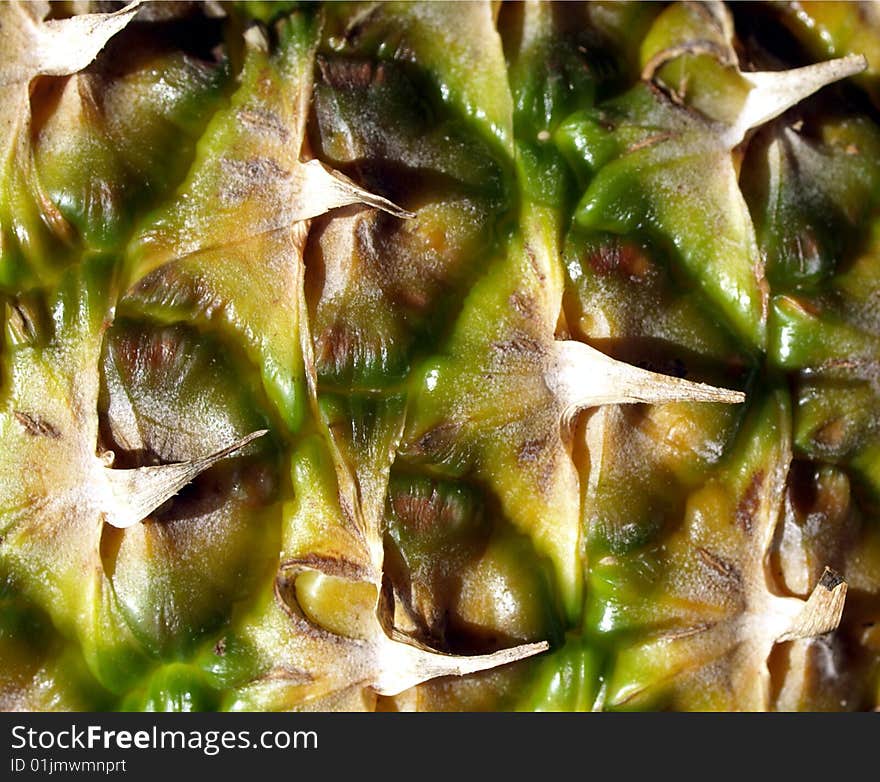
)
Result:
{"points": [[440, 356]]}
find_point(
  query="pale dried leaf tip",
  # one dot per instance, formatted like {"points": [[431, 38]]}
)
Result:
{"points": [[69, 45], [402, 665], [773, 92], [134, 494], [581, 377], [822, 611], [214, 9], [323, 189], [256, 39]]}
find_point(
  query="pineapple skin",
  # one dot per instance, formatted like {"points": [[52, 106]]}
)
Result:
{"points": [[372, 252]]}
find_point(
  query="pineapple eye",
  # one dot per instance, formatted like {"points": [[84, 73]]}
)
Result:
{"points": [[810, 182], [376, 284], [461, 574], [169, 394], [93, 135], [40, 672]]}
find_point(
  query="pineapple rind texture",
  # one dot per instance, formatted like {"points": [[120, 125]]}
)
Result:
{"points": [[440, 356]]}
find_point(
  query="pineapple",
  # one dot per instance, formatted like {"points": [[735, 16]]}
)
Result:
{"points": [[439, 356]]}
